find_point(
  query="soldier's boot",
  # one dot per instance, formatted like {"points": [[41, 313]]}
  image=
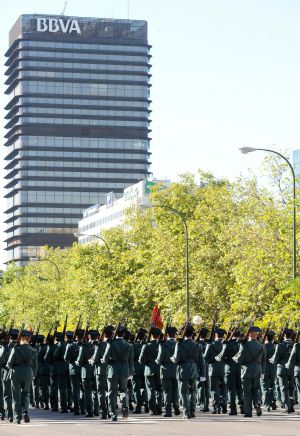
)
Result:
{"points": [[258, 410], [138, 409], [146, 407], [26, 417], [176, 410], [242, 410], [273, 405], [224, 408], [217, 410], [233, 410], [131, 406], [125, 412]]}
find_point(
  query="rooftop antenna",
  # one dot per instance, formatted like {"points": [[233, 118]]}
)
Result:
{"points": [[64, 9]]}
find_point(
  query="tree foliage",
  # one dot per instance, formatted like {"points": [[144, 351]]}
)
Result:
{"points": [[240, 262]]}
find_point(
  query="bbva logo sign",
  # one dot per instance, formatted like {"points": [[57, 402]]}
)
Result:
{"points": [[57, 25]]}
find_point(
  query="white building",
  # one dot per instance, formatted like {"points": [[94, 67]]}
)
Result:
{"points": [[97, 218]]}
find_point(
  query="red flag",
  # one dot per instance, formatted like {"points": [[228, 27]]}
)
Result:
{"points": [[156, 319]]}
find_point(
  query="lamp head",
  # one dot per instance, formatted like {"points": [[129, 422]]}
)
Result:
{"points": [[246, 150]]}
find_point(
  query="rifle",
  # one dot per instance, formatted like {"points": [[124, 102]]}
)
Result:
{"points": [[11, 326], [55, 327], [166, 332], [248, 331], [65, 327], [229, 331], [115, 332], [77, 326], [266, 332], [183, 332], [212, 333], [102, 334], [285, 326], [86, 330], [297, 336], [49, 332], [233, 331], [20, 332]]}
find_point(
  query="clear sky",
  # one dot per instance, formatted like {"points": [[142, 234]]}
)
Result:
{"points": [[226, 73]]}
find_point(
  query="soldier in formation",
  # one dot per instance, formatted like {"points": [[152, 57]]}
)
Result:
{"points": [[89, 373]]}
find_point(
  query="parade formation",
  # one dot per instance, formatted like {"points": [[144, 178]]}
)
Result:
{"points": [[155, 371]]}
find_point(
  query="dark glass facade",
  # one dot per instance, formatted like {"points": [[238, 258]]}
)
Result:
{"points": [[77, 123]]}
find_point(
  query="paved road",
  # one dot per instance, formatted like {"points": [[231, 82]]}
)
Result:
{"points": [[47, 423]]}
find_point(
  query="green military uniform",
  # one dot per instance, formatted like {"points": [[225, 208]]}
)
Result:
{"points": [[232, 374], [168, 376], [22, 363], [148, 358], [60, 373], [203, 386], [2, 362], [71, 356], [5, 374], [101, 376], [86, 351], [285, 375], [294, 362], [138, 380], [44, 376], [268, 379], [216, 375], [119, 357], [188, 356], [251, 357]]}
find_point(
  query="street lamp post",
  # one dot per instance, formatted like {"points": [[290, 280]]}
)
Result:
{"points": [[180, 214], [246, 150], [41, 259], [94, 236]]}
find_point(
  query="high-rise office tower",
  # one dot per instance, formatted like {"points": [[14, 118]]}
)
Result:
{"points": [[78, 123]]}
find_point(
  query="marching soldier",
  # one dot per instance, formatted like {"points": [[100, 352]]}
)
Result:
{"points": [[216, 372], [168, 372], [101, 370], [119, 357], [294, 362], [251, 357], [148, 358], [232, 371], [285, 375], [268, 378], [203, 386], [138, 380], [22, 364], [188, 357], [71, 356], [5, 373]]}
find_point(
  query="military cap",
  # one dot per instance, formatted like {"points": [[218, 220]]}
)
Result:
{"points": [[270, 333], [127, 335], [236, 334], [155, 331], [93, 333], [189, 330], [121, 329], [204, 332], [80, 333], [59, 336], [288, 332], [220, 332], [108, 330], [4, 335], [13, 332], [39, 338], [254, 329], [69, 334], [26, 333], [141, 333], [171, 331]]}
